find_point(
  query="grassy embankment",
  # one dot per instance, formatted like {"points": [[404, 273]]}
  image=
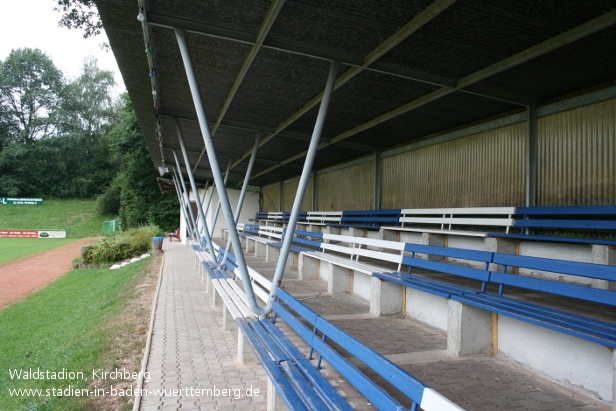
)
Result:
{"points": [[78, 217], [86, 320], [74, 324]]}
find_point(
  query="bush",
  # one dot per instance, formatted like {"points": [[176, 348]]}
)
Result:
{"points": [[120, 246], [108, 203]]}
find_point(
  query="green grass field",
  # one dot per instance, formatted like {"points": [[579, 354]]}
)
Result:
{"points": [[69, 324], [78, 217], [14, 248]]}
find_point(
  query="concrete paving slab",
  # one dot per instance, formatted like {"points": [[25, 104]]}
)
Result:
{"points": [[190, 352]]}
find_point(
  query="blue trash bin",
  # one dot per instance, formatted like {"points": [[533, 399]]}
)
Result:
{"points": [[157, 243]]}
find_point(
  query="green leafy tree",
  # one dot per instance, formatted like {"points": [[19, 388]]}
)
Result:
{"points": [[75, 162], [80, 14], [141, 201], [87, 105], [30, 95]]}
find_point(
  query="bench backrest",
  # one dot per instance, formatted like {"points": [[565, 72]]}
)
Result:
{"points": [[356, 247], [580, 269], [576, 218], [480, 274], [451, 218], [370, 217], [311, 239], [406, 383], [279, 216], [323, 217]]}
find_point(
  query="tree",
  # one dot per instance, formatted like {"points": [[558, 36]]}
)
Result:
{"points": [[80, 14], [141, 201], [30, 95], [87, 106], [75, 162]]}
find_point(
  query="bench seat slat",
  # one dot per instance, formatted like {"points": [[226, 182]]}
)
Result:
{"points": [[581, 269], [328, 393], [591, 325], [503, 309], [428, 285], [284, 388], [557, 239], [375, 394], [447, 268], [579, 292], [403, 381], [303, 387]]}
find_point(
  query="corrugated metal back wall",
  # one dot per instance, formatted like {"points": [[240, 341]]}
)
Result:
{"points": [[350, 188], [270, 198], [576, 166], [485, 169], [577, 156], [288, 194]]}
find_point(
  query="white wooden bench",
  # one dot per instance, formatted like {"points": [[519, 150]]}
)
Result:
{"points": [[451, 222], [317, 220], [344, 256]]}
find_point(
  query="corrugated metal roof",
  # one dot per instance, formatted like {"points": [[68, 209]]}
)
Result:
{"points": [[405, 93]]}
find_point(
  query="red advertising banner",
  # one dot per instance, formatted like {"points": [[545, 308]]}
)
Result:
{"points": [[19, 233]]}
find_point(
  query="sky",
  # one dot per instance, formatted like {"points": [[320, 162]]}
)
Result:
{"points": [[34, 24]]}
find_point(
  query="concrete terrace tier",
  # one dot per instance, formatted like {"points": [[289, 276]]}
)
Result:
{"points": [[191, 348]]}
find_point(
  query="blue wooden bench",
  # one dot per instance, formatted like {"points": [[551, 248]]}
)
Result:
{"points": [[298, 382], [368, 219], [318, 333], [579, 220], [302, 241], [599, 331], [602, 332], [441, 288]]}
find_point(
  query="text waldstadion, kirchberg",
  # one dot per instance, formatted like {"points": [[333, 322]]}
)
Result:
{"points": [[98, 373]]}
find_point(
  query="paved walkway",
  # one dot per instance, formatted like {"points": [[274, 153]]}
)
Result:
{"points": [[191, 352]]}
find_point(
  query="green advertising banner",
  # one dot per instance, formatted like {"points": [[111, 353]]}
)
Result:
{"points": [[21, 201]]}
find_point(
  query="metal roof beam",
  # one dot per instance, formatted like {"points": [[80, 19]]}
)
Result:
{"points": [[358, 62], [267, 24], [597, 24], [253, 127], [581, 31], [234, 157], [411, 27]]}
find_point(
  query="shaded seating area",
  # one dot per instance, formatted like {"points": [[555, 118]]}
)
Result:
{"points": [[416, 199]]}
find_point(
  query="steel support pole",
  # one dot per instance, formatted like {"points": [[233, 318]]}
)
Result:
{"points": [[303, 181], [531, 157], [186, 193], [240, 201], [187, 209], [219, 202], [181, 202], [315, 198], [281, 199], [220, 186], [207, 183], [209, 200], [193, 184], [377, 180]]}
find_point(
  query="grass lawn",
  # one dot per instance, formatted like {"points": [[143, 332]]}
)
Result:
{"points": [[78, 217], [72, 324], [14, 248]]}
